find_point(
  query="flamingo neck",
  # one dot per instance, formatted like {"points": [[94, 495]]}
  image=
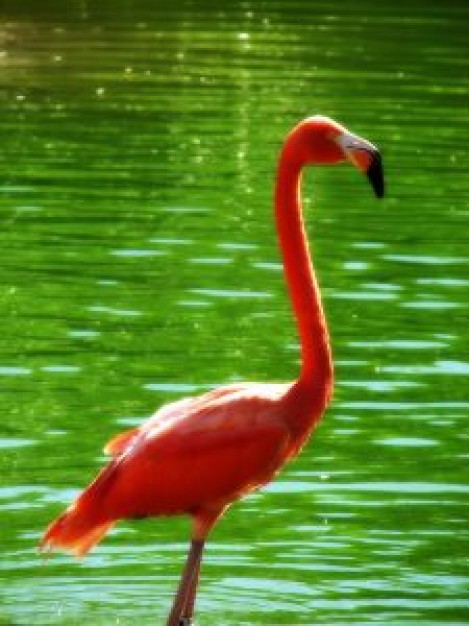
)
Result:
{"points": [[316, 359]]}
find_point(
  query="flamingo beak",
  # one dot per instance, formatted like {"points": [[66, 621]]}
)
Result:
{"points": [[366, 157], [374, 173]]}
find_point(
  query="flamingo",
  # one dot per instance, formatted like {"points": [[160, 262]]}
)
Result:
{"points": [[198, 455]]}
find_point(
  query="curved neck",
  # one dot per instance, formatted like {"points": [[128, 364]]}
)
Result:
{"points": [[316, 358]]}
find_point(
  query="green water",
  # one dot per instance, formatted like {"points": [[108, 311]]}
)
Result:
{"points": [[139, 264]]}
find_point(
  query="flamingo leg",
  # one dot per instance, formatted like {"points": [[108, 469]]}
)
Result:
{"points": [[188, 609], [183, 606]]}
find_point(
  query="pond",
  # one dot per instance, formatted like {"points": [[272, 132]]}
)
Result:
{"points": [[140, 264]]}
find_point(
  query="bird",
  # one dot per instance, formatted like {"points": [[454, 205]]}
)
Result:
{"points": [[199, 455]]}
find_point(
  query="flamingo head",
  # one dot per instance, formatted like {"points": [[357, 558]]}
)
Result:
{"points": [[320, 139]]}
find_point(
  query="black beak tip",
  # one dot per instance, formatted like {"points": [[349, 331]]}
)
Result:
{"points": [[375, 175]]}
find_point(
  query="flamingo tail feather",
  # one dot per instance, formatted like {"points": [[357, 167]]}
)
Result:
{"points": [[74, 533]]}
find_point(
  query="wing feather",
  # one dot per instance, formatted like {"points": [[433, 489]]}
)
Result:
{"points": [[213, 452], [119, 443]]}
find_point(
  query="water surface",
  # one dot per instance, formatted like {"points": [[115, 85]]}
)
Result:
{"points": [[139, 264]]}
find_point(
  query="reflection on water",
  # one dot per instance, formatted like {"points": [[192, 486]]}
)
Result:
{"points": [[140, 265]]}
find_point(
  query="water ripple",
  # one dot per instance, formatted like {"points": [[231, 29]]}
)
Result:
{"points": [[414, 487], [15, 442], [399, 344], [445, 368], [407, 442], [135, 253], [232, 293], [115, 312], [426, 260], [15, 371]]}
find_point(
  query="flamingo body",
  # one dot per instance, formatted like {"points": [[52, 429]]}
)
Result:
{"points": [[195, 456], [198, 455]]}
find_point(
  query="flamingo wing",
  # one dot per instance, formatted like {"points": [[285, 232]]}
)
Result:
{"points": [[194, 455], [200, 452], [120, 442]]}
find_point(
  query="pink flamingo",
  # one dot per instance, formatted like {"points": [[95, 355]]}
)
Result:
{"points": [[198, 455]]}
